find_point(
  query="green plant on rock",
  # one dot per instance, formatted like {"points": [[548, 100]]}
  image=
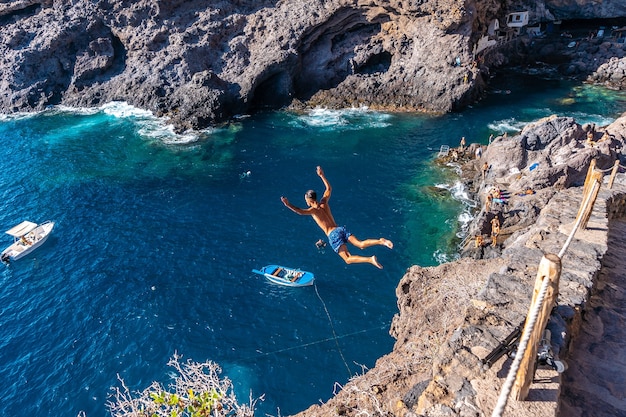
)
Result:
{"points": [[197, 391]]}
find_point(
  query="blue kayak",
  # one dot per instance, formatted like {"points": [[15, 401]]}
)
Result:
{"points": [[289, 277]]}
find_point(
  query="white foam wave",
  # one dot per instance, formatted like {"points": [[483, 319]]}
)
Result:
{"points": [[441, 257], [87, 111], [506, 125], [355, 118], [152, 127], [465, 218], [157, 129], [121, 109], [459, 192], [455, 166], [597, 119], [15, 116]]}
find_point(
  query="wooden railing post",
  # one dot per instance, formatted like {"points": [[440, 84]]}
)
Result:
{"points": [[549, 268], [592, 166], [586, 186], [596, 178], [613, 173]]}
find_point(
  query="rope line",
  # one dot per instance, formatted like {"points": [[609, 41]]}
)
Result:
{"points": [[510, 378], [317, 342], [609, 169], [333, 329], [533, 316], [579, 220], [335, 337]]}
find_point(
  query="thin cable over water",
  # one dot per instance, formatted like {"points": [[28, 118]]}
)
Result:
{"points": [[316, 342], [333, 329]]}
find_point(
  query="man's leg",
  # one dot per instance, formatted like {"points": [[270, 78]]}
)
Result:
{"points": [[356, 259], [362, 244]]}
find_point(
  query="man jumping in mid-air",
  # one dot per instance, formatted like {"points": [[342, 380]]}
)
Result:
{"points": [[337, 236]]}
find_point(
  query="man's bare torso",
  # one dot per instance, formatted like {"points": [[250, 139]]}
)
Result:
{"points": [[323, 217]]}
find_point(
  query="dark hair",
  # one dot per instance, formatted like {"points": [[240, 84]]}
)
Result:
{"points": [[311, 194]]}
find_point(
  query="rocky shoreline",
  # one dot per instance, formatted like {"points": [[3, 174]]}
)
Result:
{"points": [[201, 64], [451, 316]]}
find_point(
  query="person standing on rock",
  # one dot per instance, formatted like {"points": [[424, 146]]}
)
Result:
{"points": [[495, 230], [462, 144], [337, 236]]}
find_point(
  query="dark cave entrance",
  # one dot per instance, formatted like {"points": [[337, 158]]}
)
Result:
{"points": [[272, 93], [376, 63], [580, 28], [344, 45]]}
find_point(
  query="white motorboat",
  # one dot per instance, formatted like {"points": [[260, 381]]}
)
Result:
{"points": [[27, 236]]}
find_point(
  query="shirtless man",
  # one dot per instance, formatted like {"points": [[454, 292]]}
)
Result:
{"points": [[337, 236], [495, 230]]}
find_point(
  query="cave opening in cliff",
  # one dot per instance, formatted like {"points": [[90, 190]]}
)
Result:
{"points": [[376, 63], [119, 56], [583, 27], [272, 93], [344, 45]]}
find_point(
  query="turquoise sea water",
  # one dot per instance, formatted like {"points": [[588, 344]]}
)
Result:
{"points": [[156, 236]]}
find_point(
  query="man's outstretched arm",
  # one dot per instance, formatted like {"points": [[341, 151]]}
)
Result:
{"points": [[292, 207], [327, 186]]}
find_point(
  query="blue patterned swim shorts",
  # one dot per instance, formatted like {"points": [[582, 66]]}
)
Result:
{"points": [[337, 237]]}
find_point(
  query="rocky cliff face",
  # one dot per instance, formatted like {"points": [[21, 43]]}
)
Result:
{"points": [[200, 63], [451, 316]]}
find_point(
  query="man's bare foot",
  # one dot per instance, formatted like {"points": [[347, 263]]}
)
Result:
{"points": [[386, 242], [374, 262]]}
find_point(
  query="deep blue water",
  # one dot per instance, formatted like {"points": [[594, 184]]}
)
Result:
{"points": [[156, 236]]}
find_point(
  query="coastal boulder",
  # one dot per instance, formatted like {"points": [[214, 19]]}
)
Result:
{"points": [[553, 130], [551, 152]]}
